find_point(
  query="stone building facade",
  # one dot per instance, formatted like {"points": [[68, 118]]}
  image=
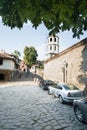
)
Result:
{"points": [[69, 65]]}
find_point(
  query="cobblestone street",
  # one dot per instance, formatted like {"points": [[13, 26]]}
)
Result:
{"points": [[30, 108]]}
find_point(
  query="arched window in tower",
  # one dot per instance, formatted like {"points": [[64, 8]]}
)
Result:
{"points": [[50, 47], [55, 39], [55, 48], [51, 39]]}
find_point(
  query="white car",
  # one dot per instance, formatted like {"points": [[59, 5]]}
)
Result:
{"points": [[65, 92]]}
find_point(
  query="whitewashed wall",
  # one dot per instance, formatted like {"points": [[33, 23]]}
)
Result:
{"points": [[7, 64]]}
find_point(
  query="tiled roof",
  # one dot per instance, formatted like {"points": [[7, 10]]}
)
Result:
{"points": [[5, 56]]}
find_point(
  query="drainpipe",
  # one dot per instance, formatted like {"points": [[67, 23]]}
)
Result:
{"points": [[65, 71]]}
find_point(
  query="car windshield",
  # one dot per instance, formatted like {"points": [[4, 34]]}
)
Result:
{"points": [[66, 87], [70, 87]]}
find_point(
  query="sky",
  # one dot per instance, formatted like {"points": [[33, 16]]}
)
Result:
{"points": [[15, 39]]}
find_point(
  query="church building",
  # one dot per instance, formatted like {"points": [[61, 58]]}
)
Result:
{"points": [[69, 66]]}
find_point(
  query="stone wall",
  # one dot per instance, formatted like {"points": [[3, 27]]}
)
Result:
{"points": [[39, 72], [69, 65]]}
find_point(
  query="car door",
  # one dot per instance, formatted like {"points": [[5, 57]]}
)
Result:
{"points": [[55, 91], [59, 90]]}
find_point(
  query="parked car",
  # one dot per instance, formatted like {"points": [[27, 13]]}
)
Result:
{"points": [[80, 109], [65, 92], [46, 83]]}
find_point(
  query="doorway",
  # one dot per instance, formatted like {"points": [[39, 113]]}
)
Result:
{"points": [[1, 76]]}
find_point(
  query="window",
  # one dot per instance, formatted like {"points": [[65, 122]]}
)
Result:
{"points": [[55, 39], [55, 48], [50, 47], [1, 61], [59, 87], [50, 39]]}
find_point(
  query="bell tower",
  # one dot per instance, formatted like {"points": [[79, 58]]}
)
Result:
{"points": [[52, 46]]}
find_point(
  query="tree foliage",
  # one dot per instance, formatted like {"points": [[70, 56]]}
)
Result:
{"points": [[56, 15], [17, 53], [30, 55]]}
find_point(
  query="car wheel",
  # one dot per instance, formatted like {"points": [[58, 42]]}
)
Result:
{"points": [[79, 114], [61, 99]]}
